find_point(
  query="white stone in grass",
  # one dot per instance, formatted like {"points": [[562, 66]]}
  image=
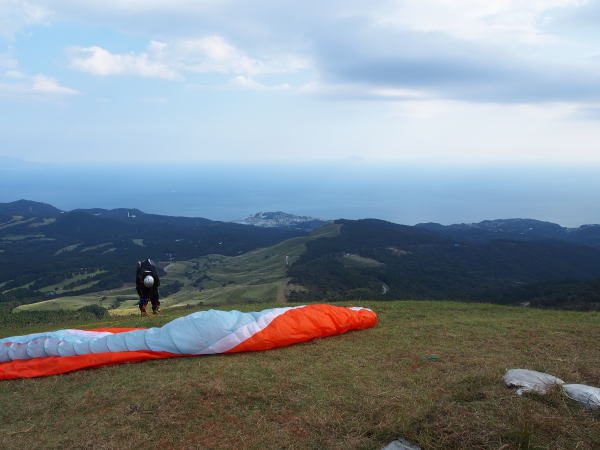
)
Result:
{"points": [[530, 381]]}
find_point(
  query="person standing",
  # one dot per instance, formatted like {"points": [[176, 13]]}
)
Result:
{"points": [[146, 284]]}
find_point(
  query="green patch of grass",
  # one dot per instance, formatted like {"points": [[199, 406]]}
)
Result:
{"points": [[357, 260], [259, 275], [139, 242], [58, 287], [16, 220], [358, 390], [107, 299], [62, 303], [68, 248], [23, 286], [95, 247], [43, 222], [21, 237], [236, 294]]}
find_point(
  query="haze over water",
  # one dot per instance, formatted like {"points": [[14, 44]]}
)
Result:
{"points": [[405, 194]]}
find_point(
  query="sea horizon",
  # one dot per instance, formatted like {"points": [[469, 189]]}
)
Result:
{"points": [[400, 193]]}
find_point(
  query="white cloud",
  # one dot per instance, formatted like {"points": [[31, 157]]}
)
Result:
{"points": [[389, 49], [17, 14], [473, 19], [520, 20], [359, 91], [18, 84], [98, 61], [169, 60], [46, 85], [248, 83], [212, 54]]}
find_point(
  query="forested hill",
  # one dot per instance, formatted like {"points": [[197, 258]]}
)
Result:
{"points": [[45, 252], [517, 229], [27, 208], [97, 249], [377, 259]]}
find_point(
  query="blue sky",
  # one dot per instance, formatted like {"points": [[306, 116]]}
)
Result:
{"points": [[461, 81]]}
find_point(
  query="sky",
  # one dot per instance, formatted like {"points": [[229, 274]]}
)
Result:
{"points": [[159, 81]]}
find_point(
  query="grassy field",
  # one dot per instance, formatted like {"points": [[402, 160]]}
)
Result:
{"points": [[57, 287], [430, 372], [118, 301], [255, 277]]}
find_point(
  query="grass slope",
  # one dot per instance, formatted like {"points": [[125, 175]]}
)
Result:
{"points": [[358, 390], [253, 277]]}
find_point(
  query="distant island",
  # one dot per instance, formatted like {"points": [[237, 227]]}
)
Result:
{"points": [[279, 219]]}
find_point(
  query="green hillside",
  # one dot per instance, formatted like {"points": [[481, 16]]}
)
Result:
{"points": [[256, 276], [429, 372], [375, 259], [47, 253]]}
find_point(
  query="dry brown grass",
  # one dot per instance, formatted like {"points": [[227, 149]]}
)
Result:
{"points": [[358, 390]]}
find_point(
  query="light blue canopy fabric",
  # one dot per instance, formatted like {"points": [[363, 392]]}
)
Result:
{"points": [[205, 332]]}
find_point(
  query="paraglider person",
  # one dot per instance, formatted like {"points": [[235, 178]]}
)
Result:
{"points": [[146, 284]]}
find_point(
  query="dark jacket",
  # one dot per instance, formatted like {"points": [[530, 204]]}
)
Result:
{"points": [[145, 268]]}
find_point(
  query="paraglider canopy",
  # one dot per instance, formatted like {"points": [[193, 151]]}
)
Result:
{"points": [[199, 333]]}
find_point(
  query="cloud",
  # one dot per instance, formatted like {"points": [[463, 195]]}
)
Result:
{"points": [[357, 91], [101, 62], [170, 60], [244, 83], [45, 85], [17, 84], [248, 83], [449, 68], [291, 21], [496, 20], [18, 14], [211, 54], [586, 15], [494, 51]]}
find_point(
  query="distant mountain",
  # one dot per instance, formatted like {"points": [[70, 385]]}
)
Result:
{"points": [[27, 208], [377, 259], [517, 229], [279, 219]]}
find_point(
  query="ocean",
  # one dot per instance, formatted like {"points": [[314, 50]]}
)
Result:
{"points": [[406, 194]]}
